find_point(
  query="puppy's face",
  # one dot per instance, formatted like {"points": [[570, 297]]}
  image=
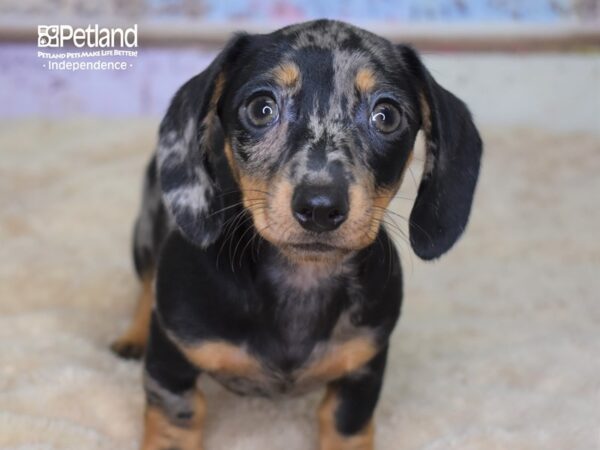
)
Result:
{"points": [[319, 126], [317, 122]]}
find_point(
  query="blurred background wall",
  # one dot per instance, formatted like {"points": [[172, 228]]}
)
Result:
{"points": [[515, 62]]}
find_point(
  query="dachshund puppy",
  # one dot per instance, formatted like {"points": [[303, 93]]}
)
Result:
{"points": [[260, 243]]}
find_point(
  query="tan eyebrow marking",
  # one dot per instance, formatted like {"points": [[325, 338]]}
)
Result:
{"points": [[365, 80], [287, 74]]}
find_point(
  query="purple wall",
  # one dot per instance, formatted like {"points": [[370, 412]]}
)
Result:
{"points": [[144, 89], [29, 88]]}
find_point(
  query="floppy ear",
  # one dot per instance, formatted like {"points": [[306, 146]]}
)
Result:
{"points": [[186, 155], [441, 210]]}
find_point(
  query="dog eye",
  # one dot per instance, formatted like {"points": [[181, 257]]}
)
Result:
{"points": [[262, 111], [386, 118]]}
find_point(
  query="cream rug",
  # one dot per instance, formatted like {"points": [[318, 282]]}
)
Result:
{"points": [[498, 346]]}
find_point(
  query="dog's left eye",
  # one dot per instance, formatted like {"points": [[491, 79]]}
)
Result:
{"points": [[386, 118], [262, 111]]}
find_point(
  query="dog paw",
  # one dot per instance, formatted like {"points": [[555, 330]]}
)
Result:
{"points": [[127, 349]]}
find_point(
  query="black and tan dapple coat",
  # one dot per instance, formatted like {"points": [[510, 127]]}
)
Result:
{"points": [[261, 224]]}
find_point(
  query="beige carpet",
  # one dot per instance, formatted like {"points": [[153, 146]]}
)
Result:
{"points": [[498, 346]]}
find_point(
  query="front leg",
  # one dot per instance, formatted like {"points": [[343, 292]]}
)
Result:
{"points": [[346, 412], [133, 342], [175, 408]]}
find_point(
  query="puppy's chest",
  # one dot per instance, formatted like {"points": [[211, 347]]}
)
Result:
{"points": [[301, 339], [296, 361]]}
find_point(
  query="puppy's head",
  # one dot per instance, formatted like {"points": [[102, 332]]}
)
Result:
{"points": [[317, 123]]}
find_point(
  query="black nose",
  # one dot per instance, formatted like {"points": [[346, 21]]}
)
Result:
{"points": [[320, 208]]}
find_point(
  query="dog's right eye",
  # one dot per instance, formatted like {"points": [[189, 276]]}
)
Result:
{"points": [[262, 111], [386, 118]]}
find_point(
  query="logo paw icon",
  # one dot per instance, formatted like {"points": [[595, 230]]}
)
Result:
{"points": [[48, 35]]}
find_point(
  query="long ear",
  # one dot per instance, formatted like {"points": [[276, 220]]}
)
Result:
{"points": [[441, 210], [186, 153]]}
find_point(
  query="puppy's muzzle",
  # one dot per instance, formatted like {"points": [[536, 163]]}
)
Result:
{"points": [[320, 208]]}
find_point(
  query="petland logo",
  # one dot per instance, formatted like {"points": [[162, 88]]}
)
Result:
{"points": [[56, 36], [63, 47]]}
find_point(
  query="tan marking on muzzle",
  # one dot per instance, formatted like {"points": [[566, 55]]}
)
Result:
{"points": [[255, 198], [231, 160], [383, 198], [357, 229], [269, 205]]}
